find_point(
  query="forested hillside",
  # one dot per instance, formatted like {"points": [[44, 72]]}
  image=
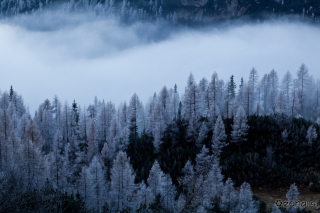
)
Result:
{"points": [[175, 11], [195, 152]]}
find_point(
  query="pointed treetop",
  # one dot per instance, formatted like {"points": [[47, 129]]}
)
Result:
{"points": [[74, 105], [11, 92], [175, 88], [231, 87]]}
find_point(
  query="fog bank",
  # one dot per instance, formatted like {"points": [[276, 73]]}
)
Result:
{"points": [[79, 56]]}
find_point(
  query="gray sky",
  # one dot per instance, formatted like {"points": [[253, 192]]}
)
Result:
{"points": [[79, 57]]}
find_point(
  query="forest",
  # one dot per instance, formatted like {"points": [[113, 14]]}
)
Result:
{"points": [[200, 151], [173, 11]]}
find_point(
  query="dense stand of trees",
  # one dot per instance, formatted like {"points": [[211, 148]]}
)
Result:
{"points": [[173, 11], [199, 151]]}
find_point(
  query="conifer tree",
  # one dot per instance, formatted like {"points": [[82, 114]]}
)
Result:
{"points": [[192, 98], [92, 142], [229, 197], [213, 183], [168, 193], [246, 202], [175, 102], [134, 112], [286, 87], [218, 137], [55, 161], [239, 127], [202, 134], [122, 183], [97, 185], [45, 123], [204, 161], [273, 90], [252, 87], [104, 118], [311, 135], [301, 84], [156, 180], [293, 193], [205, 96]]}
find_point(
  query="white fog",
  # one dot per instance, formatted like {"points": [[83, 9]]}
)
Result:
{"points": [[79, 56]]}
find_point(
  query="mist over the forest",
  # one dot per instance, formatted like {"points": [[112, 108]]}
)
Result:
{"points": [[79, 56]]}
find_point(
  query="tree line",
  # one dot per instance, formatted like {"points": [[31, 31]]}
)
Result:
{"points": [[198, 152]]}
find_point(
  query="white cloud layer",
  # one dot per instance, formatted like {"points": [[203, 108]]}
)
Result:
{"points": [[81, 56]]}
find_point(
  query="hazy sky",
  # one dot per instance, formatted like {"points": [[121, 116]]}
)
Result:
{"points": [[82, 56]]}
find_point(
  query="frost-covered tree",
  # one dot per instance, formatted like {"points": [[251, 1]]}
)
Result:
{"points": [[65, 123], [84, 127], [239, 127], [114, 140], [4, 100], [92, 142], [205, 96], [159, 124], [143, 196], [286, 87], [229, 198], [17, 103], [135, 115], [83, 184], [32, 164], [213, 184], [22, 125], [165, 104], [192, 98], [168, 193], [215, 87], [252, 87], [229, 98], [273, 90], [175, 102], [45, 122], [264, 91], [72, 163], [56, 110], [315, 103], [188, 179], [156, 180], [149, 108], [5, 123], [203, 132], [301, 84], [311, 134], [55, 161], [192, 130], [293, 193], [124, 123], [104, 117], [33, 135], [240, 95], [75, 117], [97, 187], [5, 128], [204, 161], [246, 202], [280, 104], [122, 183], [180, 203], [218, 137], [13, 144]]}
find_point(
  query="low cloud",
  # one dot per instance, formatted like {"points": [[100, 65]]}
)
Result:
{"points": [[79, 56]]}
